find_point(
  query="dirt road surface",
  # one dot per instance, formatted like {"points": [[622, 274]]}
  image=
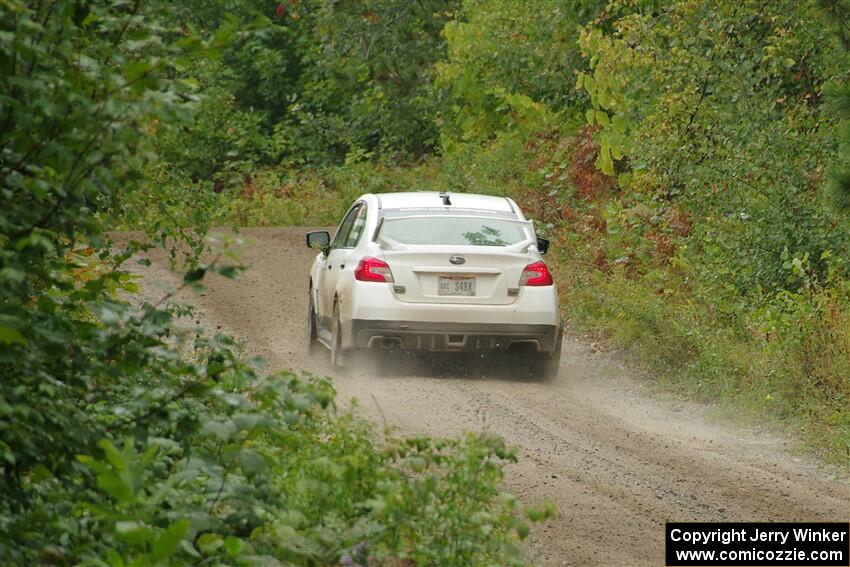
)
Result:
{"points": [[617, 461]]}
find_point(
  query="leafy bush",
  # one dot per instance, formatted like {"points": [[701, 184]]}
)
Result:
{"points": [[710, 116], [509, 66], [320, 197], [376, 60], [201, 459], [716, 106], [317, 83], [835, 13]]}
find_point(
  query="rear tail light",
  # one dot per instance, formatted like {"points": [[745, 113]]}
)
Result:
{"points": [[373, 270], [536, 274]]}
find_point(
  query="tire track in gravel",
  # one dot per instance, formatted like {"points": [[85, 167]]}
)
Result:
{"points": [[617, 461]]}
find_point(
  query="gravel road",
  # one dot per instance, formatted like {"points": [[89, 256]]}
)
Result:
{"points": [[617, 460]]}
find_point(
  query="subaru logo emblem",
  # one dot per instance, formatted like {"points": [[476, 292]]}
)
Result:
{"points": [[457, 260]]}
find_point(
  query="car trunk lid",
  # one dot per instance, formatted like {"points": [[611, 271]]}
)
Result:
{"points": [[456, 274]]}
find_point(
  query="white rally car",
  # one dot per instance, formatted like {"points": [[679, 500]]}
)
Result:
{"points": [[435, 272]]}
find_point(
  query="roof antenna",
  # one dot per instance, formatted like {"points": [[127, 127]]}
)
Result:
{"points": [[445, 197]]}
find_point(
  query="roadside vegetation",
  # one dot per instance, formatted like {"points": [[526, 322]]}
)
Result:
{"points": [[687, 157]]}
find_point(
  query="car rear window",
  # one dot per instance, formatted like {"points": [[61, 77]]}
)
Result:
{"points": [[447, 230]]}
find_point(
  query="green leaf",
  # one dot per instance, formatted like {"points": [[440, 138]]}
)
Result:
{"points": [[113, 455], [418, 464], [302, 402], [224, 430], [590, 85], [194, 275], [602, 118], [114, 558], [522, 530], [233, 546], [616, 151], [11, 336], [169, 541], [604, 162], [209, 543], [189, 549], [251, 462], [620, 123], [134, 532], [41, 473], [115, 486]]}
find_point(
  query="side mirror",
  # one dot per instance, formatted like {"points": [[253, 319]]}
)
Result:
{"points": [[542, 245], [319, 239]]}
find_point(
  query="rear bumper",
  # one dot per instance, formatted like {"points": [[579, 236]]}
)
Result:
{"points": [[451, 337], [369, 311]]}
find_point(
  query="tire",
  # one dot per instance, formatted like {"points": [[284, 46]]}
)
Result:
{"points": [[337, 354], [313, 330]]}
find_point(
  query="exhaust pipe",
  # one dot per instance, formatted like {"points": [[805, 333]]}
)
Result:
{"points": [[524, 346], [385, 343]]}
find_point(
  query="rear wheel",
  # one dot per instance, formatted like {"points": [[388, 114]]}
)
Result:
{"points": [[313, 329], [337, 354]]}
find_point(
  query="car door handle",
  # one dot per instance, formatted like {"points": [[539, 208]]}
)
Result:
{"points": [[342, 266], [330, 266]]}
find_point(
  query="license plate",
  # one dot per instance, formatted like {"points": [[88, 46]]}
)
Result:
{"points": [[454, 285]]}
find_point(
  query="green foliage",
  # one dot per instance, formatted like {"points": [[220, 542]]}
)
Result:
{"points": [[782, 364], [838, 93], [320, 197], [238, 99], [224, 140], [376, 64], [81, 85], [716, 106], [173, 211], [509, 66], [316, 82], [272, 474]]}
